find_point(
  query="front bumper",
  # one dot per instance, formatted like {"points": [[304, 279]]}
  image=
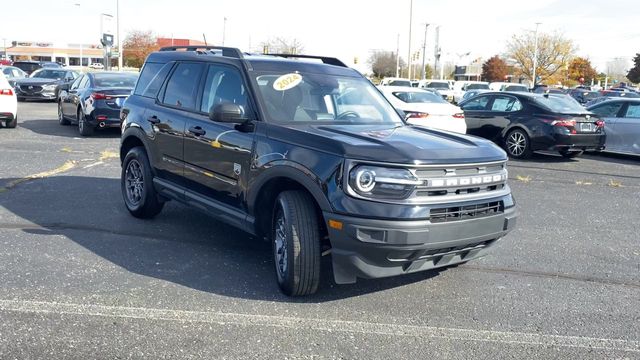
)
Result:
{"points": [[368, 248], [36, 95]]}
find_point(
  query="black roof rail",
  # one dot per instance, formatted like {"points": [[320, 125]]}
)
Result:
{"points": [[325, 59], [226, 51]]}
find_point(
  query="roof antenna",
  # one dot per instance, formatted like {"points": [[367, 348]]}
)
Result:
{"points": [[205, 40]]}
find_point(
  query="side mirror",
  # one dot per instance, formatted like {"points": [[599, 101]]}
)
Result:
{"points": [[228, 113]]}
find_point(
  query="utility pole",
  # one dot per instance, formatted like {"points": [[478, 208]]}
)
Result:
{"points": [[436, 51], [409, 52], [224, 30], [4, 45], [398, 57], [78, 5], [118, 34], [424, 53], [535, 55]]}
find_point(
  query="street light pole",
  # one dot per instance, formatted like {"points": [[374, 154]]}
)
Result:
{"points": [[424, 53], [78, 5], [4, 44], [118, 34], [535, 55], [398, 57], [224, 30], [409, 53]]}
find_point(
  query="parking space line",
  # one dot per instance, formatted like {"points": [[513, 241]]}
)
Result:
{"points": [[367, 328]]}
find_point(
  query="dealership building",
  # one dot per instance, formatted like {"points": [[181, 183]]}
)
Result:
{"points": [[67, 54]]}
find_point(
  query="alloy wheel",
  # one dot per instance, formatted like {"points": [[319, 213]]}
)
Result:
{"points": [[280, 245], [516, 143], [134, 179]]}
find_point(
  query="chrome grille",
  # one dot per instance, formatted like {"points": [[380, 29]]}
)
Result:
{"points": [[456, 213], [460, 182], [31, 89]]}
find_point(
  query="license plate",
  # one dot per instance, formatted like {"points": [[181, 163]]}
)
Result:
{"points": [[586, 127]]}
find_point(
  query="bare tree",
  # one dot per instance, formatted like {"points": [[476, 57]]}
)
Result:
{"points": [[383, 63], [554, 53], [280, 45]]}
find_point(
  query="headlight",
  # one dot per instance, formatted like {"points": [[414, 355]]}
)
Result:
{"points": [[49, 87], [382, 183]]}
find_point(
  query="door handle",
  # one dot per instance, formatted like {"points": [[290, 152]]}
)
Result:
{"points": [[153, 119], [197, 130]]}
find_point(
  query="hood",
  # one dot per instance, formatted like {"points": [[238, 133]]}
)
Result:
{"points": [[37, 81], [403, 144]]}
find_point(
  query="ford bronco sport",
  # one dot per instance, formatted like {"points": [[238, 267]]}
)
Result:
{"points": [[307, 153]]}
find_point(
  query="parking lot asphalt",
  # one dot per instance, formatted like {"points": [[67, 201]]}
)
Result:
{"points": [[81, 278]]}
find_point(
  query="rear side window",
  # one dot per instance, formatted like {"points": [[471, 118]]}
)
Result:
{"points": [[151, 79], [182, 87], [608, 110]]}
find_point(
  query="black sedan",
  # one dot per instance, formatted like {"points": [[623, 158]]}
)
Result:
{"points": [[94, 100], [583, 96], [526, 122], [43, 84]]}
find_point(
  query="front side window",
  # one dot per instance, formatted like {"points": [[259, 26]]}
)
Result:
{"points": [[479, 103], [506, 104], [223, 84], [182, 87], [310, 97], [608, 109], [633, 111]]}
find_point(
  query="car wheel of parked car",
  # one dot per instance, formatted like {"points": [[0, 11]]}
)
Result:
{"points": [[296, 243], [12, 123], [517, 144], [84, 128], [136, 182], [61, 119], [570, 154]]}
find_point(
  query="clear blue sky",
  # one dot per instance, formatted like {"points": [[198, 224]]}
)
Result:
{"points": [[602, 29]]}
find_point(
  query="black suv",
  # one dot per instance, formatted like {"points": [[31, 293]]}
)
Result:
{"points": [[308, 154]]}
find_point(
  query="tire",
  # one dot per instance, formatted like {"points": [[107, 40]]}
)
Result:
{"points": [[11, 124], [61, 119], [20, 99], [84, 128], [295, 235], [517, 144], [570, 154], [136, 184]]}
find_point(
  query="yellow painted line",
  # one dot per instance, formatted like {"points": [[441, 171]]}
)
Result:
{"points": [[108, 154], [65, 167]]}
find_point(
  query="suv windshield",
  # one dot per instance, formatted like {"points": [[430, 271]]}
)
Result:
{"points": [[477, 87], [49, 74], [438, 85], [561, 104], [307, 97]]}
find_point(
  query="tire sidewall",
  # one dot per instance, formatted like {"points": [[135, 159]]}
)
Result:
{"points": [[285, 281], [138, 154]]}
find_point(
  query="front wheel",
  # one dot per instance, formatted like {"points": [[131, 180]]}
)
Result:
{"points": [[570, 154], [136, 182], [517, 144], [296, 243]]}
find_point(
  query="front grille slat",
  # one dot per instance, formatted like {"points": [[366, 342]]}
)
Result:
{"points": [[457, 213]]}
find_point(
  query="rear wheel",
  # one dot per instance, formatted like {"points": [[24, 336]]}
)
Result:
{"points": [[13, 123], [84, 128], [570, 154], [61, 119], [296, 243], [517, 144], [136, 182]]}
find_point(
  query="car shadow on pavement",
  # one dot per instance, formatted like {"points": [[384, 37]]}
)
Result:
{"points": [[181, 245], [51, 127]]}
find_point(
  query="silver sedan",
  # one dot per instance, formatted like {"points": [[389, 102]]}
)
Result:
{"points": [[622, 124]]}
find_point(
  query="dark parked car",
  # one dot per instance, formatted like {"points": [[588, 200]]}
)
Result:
{"points": [[27, 66], [312, 157], [51, 64], [12, 73], [622, 124], [547, 90], [583, 96], [43, 84], [94, 100], [612, 94], [525, 122]]}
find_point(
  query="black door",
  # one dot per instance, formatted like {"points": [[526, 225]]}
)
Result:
{"points": [[169, 116], [476, 112], [70, 102], [503, 109], [218, 155]]}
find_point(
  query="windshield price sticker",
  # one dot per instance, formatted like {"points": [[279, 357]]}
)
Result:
{"points": [[287, 81]]}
